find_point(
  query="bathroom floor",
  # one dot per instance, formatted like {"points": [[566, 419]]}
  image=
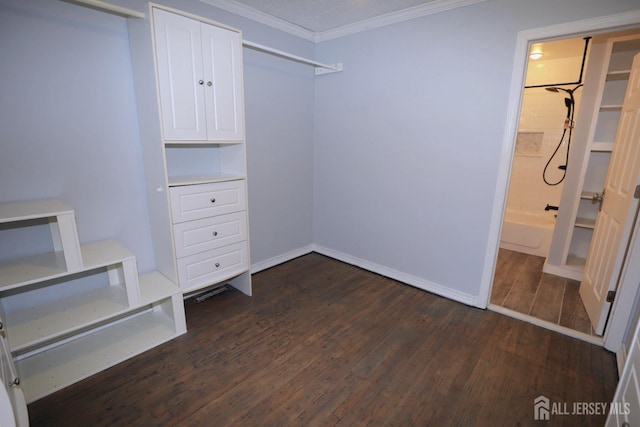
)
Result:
{"points": [[520, 285]]}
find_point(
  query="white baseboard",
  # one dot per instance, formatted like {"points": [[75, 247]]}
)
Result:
{"points": [[416, 282], [272, 262], [399, 276]]}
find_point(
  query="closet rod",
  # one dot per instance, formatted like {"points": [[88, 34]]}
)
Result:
{"points": [[108, 8], [320, 67]]}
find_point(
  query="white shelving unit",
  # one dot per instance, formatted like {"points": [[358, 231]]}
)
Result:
{"points": [[606, 80], [193, 145], [78, 309]]}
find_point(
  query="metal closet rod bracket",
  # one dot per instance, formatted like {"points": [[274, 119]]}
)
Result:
{"points": [[321, 68]]}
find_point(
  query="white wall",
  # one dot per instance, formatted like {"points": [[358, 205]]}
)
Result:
{"points": [[409, 137], [69, 128]]}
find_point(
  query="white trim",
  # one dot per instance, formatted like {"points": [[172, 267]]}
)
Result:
{"points": [[430, 8], [621, 358], [558, 270], [288, 256], [601, 24], [425, 9], [261, 17], [593, 339], [417, 282]]}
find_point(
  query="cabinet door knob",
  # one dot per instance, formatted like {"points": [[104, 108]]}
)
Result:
{"points": [[209, 83], [217, 264], [213, 200], [200, 82], [215, 233]]}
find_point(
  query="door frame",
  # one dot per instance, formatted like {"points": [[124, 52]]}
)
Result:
{"points": [[620, 315]]}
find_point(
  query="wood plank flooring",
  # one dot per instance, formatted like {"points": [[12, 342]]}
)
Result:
{"points": [[323, 343], [520, 285]]}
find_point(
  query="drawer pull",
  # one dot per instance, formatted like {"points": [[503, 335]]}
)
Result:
{"points": [[215, 233], [217, 264], [213, 200]]}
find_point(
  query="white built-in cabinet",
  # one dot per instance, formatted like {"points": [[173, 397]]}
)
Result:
{"points": [[73, 310], [194, 154], [199, 79], [605, 84]]}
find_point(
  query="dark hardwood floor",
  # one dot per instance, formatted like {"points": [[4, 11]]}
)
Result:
{"points": [[520, 285], [323, 343]]}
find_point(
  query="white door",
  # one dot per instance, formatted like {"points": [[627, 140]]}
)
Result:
{"points": [[180, 76], [222, 60], [614, 222], [625, 407]]}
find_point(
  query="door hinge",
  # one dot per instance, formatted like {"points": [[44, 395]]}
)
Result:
{"points": [[637, 192], [611, 295]]}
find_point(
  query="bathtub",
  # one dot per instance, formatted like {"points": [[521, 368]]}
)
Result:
{"points": [[527, 232]]}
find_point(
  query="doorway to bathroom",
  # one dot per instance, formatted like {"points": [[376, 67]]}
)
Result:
{"points": [[557, 178]]}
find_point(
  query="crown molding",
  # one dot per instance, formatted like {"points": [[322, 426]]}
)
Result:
{"points": [[430, 8], [261, 17], [433, 7]]}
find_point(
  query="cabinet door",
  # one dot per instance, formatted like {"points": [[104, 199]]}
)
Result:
{"points": [[180, 76], [222, 61]]}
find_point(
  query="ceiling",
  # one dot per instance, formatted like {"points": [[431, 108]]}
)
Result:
{"points": [[318, 19], [319, 16]]}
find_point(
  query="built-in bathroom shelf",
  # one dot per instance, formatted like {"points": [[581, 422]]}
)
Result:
{"points": [[606, 77], [618, 75], [576, 263], [585, 223], [75, 310], [604, 147], [611, 107]]}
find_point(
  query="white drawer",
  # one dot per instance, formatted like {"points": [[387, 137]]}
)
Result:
{"points": [[208, 268], [201, 235], [191, 202]]}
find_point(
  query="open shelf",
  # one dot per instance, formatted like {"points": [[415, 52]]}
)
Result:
{"points": [[32, 209], [618, 75], [611, 107], [176, 181], [44, 323], [602, 146], [585, 223], [576, 262], [74, 360], [36, 268], [75, 310]]}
